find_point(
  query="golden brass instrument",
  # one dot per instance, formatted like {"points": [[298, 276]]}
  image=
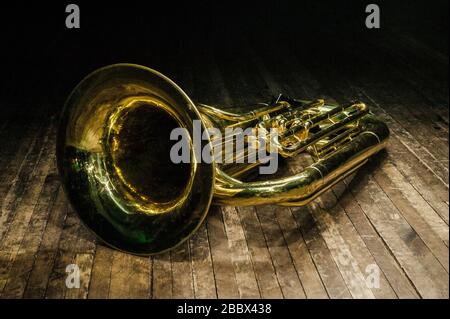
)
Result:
{"points": [[113, 156]]}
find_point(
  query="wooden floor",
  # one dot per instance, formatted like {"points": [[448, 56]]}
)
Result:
{"points": [[390, 220]]}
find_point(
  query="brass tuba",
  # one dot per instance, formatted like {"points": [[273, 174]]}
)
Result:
{"points": [[113, 155]]}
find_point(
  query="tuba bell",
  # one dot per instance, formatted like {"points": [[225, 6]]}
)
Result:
{"points": [[113, 155]]}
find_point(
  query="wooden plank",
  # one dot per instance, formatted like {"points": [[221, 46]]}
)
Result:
{"points": [[19, 272], [419, 264], [321, 255], [307, 272], [286, 273], [76, 247], [345, 261], [380, 252], [65, 255], [129, 276], [21, 208], [121, 271], [15, 182], [45, 257], [101, 273], [225, 278], [408, 140], [241, 258], [183, 287], [162, 282], [414, 127], [202, 268], [84, 263], [83, 259], [266, 275], [419, 177], [337, 223], [86, 241], [428, 225]]}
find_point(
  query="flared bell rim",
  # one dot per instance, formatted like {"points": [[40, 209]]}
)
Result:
{"points": [[207, 171]]}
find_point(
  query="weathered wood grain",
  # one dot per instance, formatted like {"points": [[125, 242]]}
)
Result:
{"points": [[241, 258], [129, 276], [46, 255], [202, 265], [286, 272], [162, 278], [374, 242], [101, 273], [224, 275], [19, 212], [182, 276], [307, 272]]}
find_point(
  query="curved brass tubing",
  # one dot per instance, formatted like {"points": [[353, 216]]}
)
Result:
{"points": [[113, 155]]}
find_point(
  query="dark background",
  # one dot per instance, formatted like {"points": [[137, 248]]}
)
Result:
{"points": [[42, 60]]}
